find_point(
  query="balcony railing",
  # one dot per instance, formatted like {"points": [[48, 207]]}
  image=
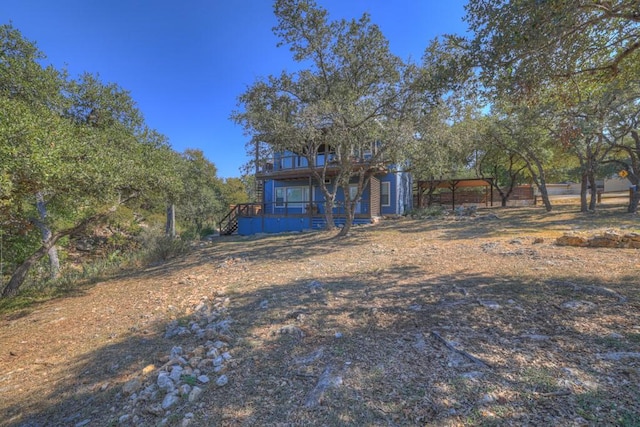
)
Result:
{"points": [[292, 163]]}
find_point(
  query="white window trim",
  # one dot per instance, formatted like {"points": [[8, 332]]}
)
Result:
{"points": [[388, 185]]}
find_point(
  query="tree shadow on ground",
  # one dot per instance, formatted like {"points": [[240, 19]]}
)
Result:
{"points": [[545, 350]]}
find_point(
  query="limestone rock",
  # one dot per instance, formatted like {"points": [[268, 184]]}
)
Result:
{"points": [[169, 401], [572, 240], [222, 380], [195, 394], [131, 386]]}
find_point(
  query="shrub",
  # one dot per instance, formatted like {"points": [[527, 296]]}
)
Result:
{"points": [[163, 248], [434, 211]]}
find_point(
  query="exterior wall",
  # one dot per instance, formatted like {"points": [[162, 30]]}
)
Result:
{"points": [[400, 195], [295, 216], [316, 197], [374, 199], [258, 224], [254, 225]]}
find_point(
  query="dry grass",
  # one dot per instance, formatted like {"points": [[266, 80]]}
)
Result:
{"points": [[484, 286]]}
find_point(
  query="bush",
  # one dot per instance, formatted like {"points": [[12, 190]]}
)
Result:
{"points": [[435, 211], [163, 248]]}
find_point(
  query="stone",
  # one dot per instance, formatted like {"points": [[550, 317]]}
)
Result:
{"points": [[222, 381], [619, 355], [219, 344], [176, 352], [164, 382], [612, 235], [123, 419], [205, 363], [473, 375], [148, 369], [536, 337], [184, 389], [602, 242], [292, 330], [486, 399], [572, 240], [169, 401], [176, 373], [490, 304], [310, 358], [577, 305], [131, 386], [195, 394], [155, 409], [199, 351], [314, 286], [203, 379]]}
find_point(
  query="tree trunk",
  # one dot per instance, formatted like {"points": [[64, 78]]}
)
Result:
{"points": [[328, 214], [539, 178], [20, 274], [349, 215], [545, 197], [594, 192], [584, 182], [54, 261], [170, 228]]}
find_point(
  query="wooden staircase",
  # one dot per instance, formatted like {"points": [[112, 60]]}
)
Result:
{"points": [[229, 224]]}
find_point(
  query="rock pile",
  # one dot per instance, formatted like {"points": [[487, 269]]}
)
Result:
{"points": [[608, 239], [174, 389]]}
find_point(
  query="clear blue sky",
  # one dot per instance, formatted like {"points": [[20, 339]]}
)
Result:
{"points": [[186, 62]]}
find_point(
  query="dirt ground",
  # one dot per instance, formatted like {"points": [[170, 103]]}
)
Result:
{"points": [[475, 321]]}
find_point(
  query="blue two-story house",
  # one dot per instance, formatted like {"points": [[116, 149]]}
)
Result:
{"points": [[292, 199]]}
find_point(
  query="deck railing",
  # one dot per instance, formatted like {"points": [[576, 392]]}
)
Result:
{"points": [[303, 208], [286, 163]]}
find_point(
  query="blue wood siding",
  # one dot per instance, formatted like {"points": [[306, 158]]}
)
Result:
{"points": [[400, 193], [292, 215]]}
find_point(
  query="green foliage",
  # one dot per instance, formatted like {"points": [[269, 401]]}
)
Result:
{"points": [[79, 145], [354, 96], [523, 45], [164, 248], [200, 199], [189, 379], [570, 70]]}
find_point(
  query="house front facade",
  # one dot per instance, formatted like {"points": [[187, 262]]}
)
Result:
{"points": [[292, 199]]}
